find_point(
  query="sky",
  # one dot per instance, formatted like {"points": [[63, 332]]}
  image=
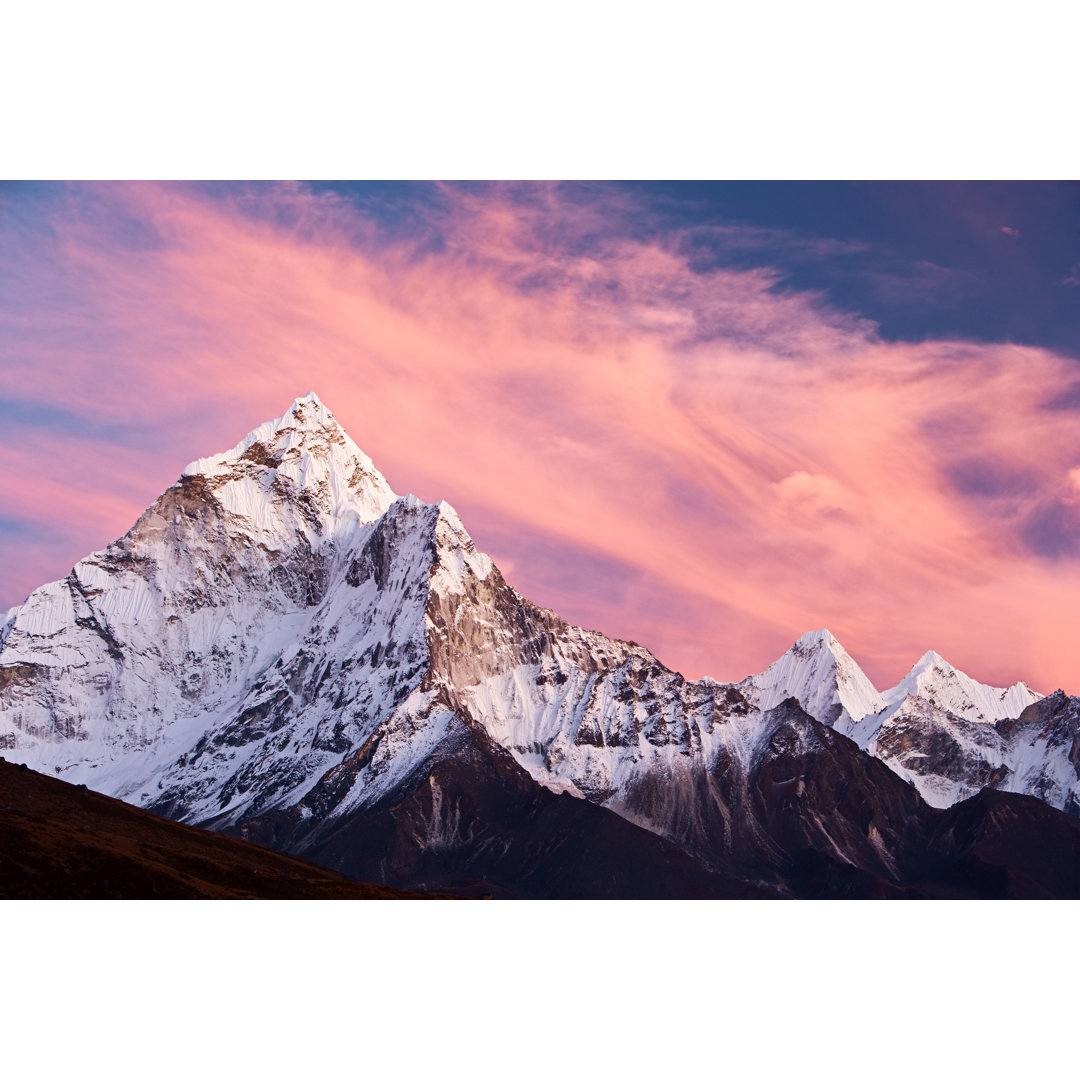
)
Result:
{"points": [[704, 417]]}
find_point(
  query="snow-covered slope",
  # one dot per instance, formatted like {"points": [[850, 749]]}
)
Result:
{"points": [[946, 757], [938, 730], [261, 618], [1043, 751], [820, 674], [279, 630], [935, 680]]}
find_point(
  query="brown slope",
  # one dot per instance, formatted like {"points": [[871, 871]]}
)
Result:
{"points": [[1009, 846], [61, 842]]}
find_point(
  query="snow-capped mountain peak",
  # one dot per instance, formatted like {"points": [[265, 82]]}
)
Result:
{"points": [[930, 659], [818, 671], [933, 678], [951, 737], [298, 428], [304, 458]]}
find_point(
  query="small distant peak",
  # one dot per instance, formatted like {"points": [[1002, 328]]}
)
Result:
{"points": [[814, 641], [309, 408], [931, 659]]}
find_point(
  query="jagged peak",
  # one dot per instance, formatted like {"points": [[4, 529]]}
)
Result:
{"points": [[957, 692], [820, 643], [304, 446], [306, 425], [308, 414], [823, 636], [448, 514], [310, 398], [930, 660], [929, 666], [410, 502], [456, 553], [1059, 699], [819, 671]]}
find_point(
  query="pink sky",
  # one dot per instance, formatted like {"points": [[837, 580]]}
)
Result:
{"points": [[693, 460]]}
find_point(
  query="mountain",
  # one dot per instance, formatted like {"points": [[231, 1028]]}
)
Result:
{"points": [[283, 649], [937, 681], [950, 758], [817, 671], [947, 735], [944, 732]]}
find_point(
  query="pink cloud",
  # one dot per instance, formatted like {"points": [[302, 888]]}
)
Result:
{"points": [[733, 465], [1008, 230]]}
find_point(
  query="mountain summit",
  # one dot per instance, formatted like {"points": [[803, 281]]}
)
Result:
{"points": [[304, 453], [284, 649], [827, 682]]}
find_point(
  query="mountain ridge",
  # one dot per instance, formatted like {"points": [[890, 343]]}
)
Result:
{"points": [[282, 637]]}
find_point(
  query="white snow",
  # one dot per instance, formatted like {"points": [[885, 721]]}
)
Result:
{"points": [[935, 679], [316, 455], [818, 671]]}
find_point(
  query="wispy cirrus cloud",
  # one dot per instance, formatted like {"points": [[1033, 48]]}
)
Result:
{"points": [[676, 452]]}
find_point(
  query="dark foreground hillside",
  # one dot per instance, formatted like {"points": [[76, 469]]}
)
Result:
{"points": [[61, 842], [829, 816]]}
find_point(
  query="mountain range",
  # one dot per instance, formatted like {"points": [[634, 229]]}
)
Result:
{"points": [[284, 650]]}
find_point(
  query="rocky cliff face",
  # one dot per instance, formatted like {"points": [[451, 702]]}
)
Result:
{"points": [[941, 730], [282, 648]]}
